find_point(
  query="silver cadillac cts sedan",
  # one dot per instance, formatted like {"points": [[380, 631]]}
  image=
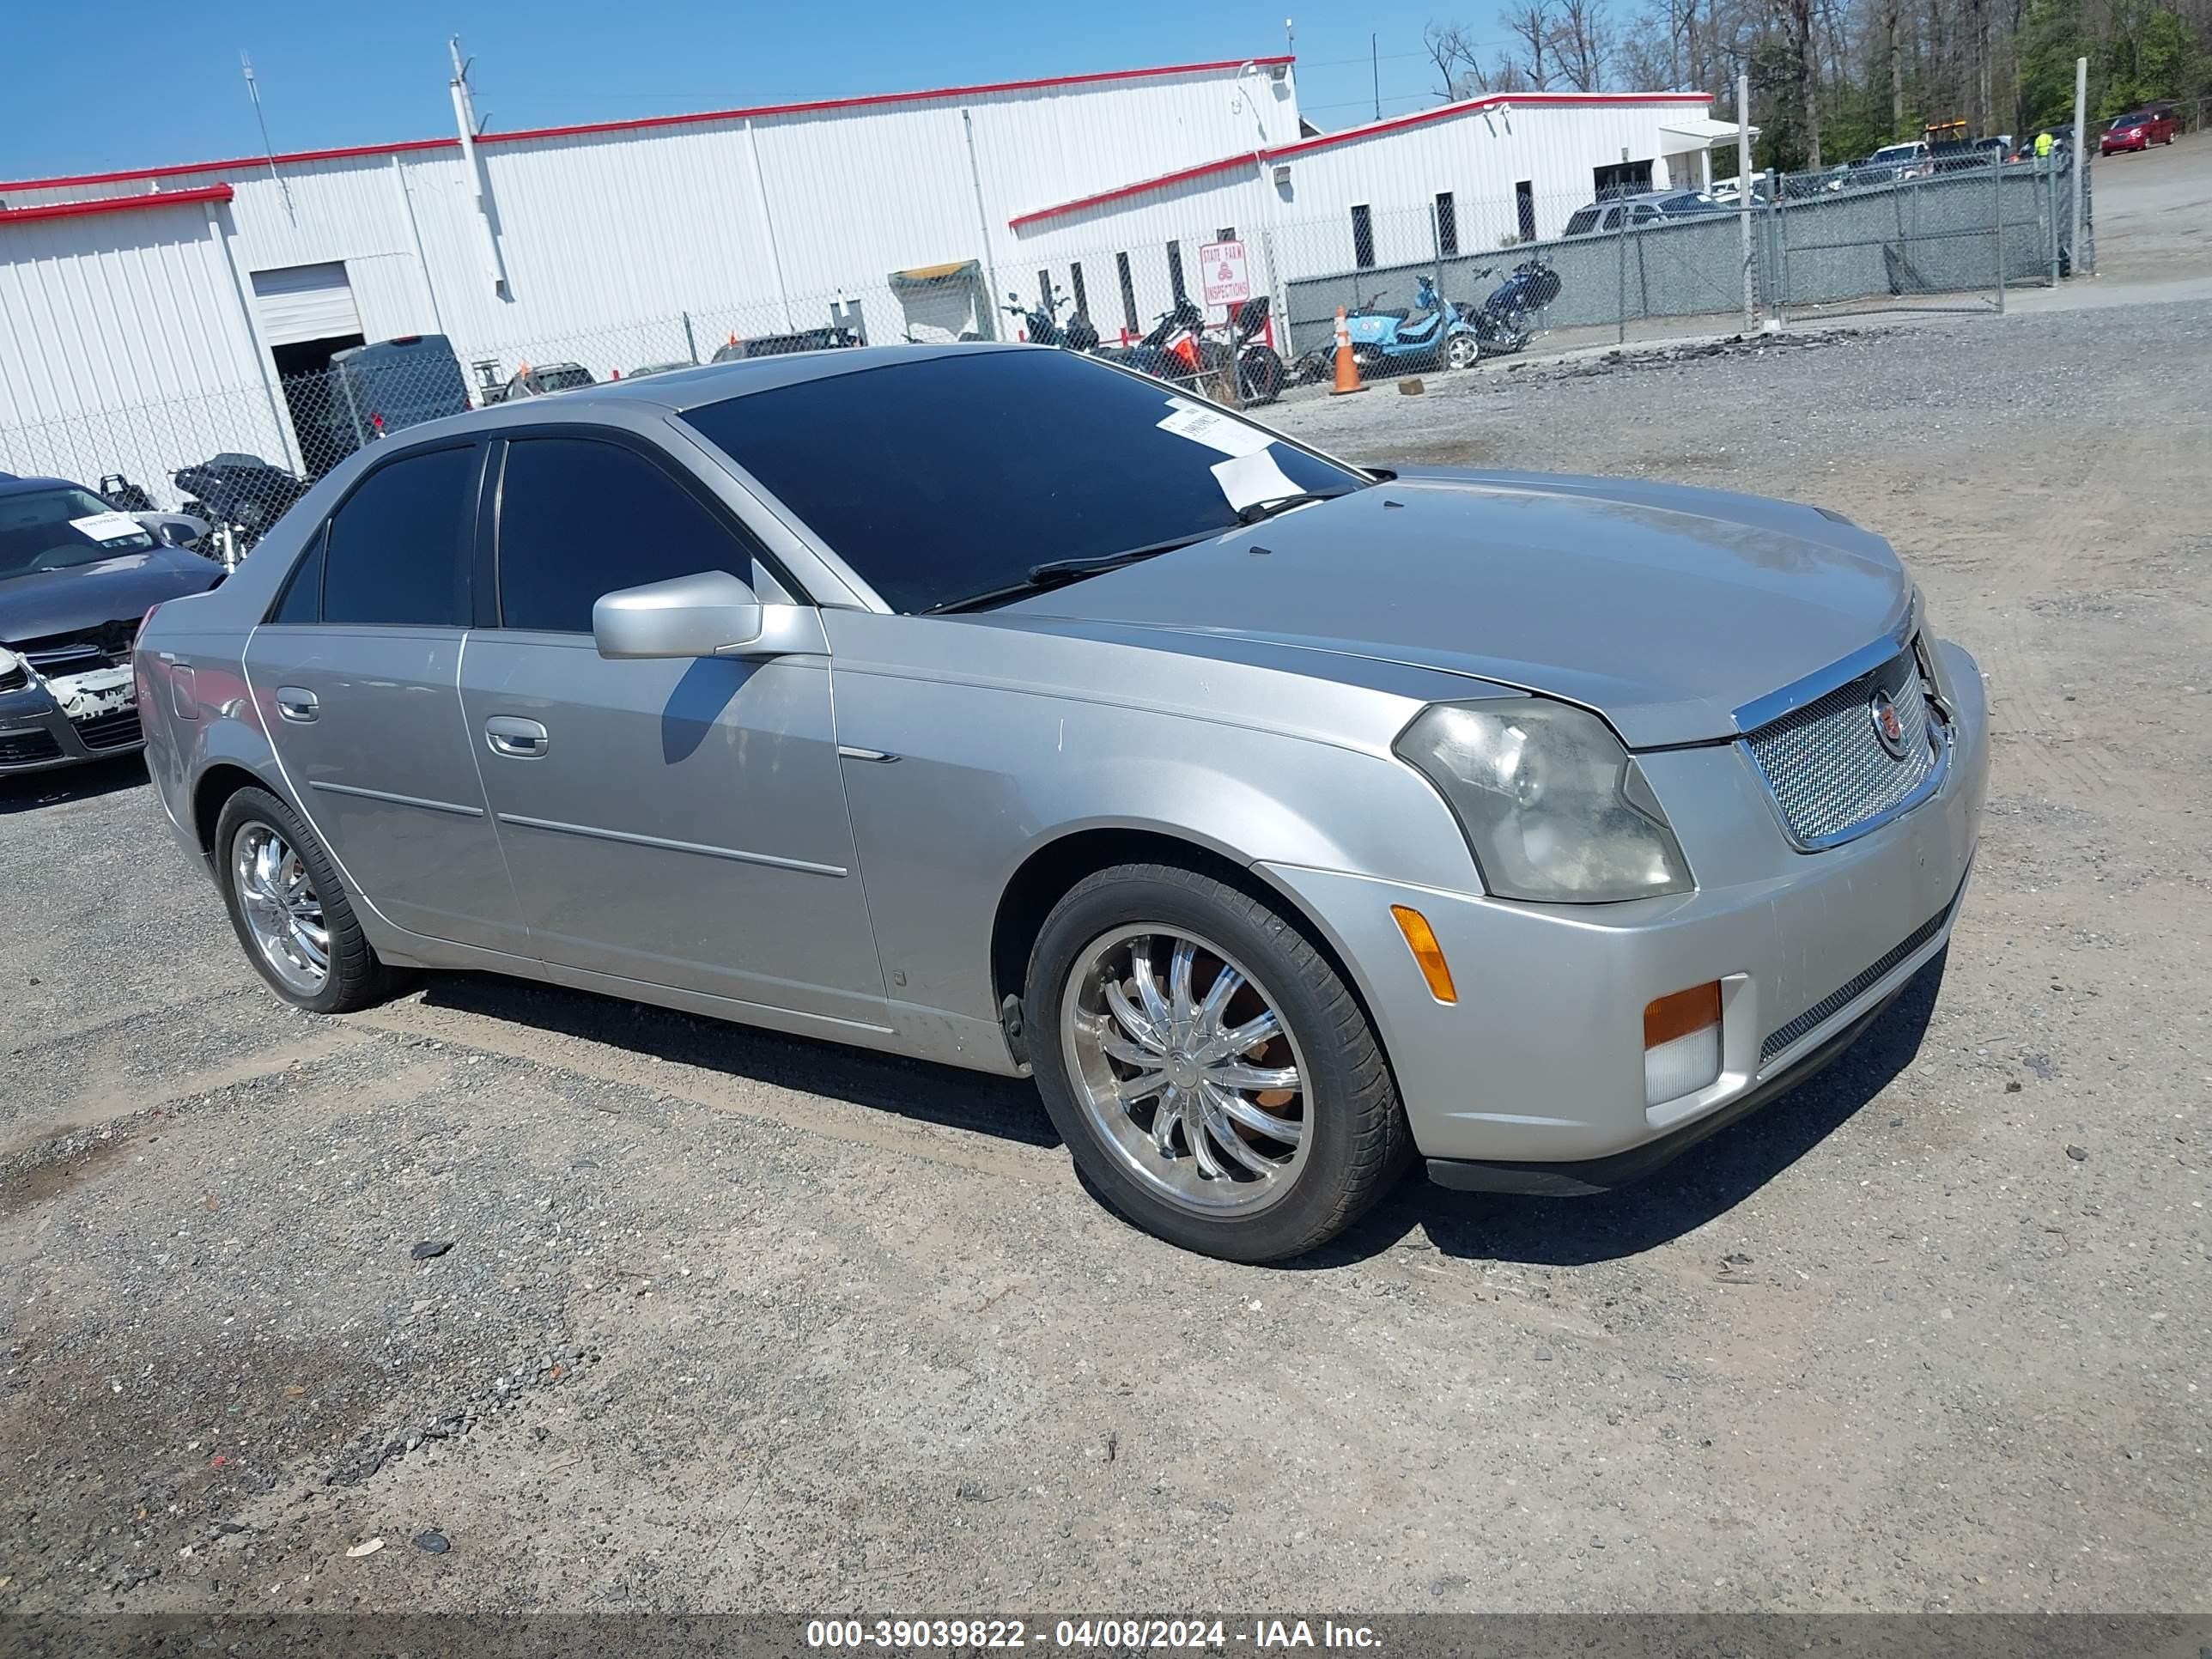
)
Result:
{"points": [[995, 705]]}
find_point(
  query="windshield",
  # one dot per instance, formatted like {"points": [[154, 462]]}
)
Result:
{"points": [[1896, 153], [55, 529], [953, 476]]}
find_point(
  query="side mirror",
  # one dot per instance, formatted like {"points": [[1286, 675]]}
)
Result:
{"points": [[701, 615], [176, 529]]}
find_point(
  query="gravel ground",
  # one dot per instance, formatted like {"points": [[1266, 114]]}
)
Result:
{"points": [[729, 1321]]}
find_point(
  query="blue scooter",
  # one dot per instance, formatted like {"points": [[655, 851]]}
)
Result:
{"points": [[1436, 335]]}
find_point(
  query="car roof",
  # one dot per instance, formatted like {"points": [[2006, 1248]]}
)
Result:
{"points": [[683, 389], [680, 389], [12, 485]]}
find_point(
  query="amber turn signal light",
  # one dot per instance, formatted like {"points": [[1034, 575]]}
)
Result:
{"points": [[1667, 1018], [1421, 940]]}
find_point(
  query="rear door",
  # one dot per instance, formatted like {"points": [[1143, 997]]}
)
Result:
{"points": [[357, 675], [681, 823]]}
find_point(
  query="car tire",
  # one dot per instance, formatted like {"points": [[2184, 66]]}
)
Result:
{"points": [[1355, 1140], [255, 826]]}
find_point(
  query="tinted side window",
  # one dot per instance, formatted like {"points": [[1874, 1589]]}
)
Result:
{"points": [[303, 595], [398, 549], [578, 518]]}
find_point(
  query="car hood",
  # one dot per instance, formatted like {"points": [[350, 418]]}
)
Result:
{"points": [[46, 603], [1665, 609]]}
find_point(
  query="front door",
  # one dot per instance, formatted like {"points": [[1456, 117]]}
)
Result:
{"points": [[678, 822], [357, 678]]}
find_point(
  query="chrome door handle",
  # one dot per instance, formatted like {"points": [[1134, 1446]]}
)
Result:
{"points": [[296, 703], [516, 739]]}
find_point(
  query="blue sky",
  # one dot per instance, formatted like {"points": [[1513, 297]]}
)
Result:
{"points": [[125, 85]]}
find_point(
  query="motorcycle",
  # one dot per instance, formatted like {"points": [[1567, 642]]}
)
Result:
{"points": [[1260, 372], [1175, 350], [1041, 323], [1501, 322], [242, 496]]}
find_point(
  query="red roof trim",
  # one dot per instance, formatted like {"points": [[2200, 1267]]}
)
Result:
{"points": [[1119, 191], [173, 169], [1351, 134], [155, 198]]}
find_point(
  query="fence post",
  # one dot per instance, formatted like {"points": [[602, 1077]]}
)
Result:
{"points": [[690, 343], [2050, 165], [1620, 286], [1743, 193], [1778, 210], [2080, 159], [1996, 231]]}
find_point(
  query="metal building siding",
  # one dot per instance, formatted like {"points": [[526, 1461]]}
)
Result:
{"points": [[106, 324], [115, 310], [1478, 157]]}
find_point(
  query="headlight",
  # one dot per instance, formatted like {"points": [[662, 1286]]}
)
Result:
{"points": [[14, 671], [1555, 810]]}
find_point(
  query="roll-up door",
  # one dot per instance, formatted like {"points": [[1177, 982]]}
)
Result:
{"points": [[305, 302]]}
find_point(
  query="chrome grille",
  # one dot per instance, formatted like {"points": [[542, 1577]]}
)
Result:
{"points": [[1828, 772]]}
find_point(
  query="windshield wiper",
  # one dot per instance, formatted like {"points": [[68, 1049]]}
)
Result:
{"points": [[1059, 573], [1255, 512]]}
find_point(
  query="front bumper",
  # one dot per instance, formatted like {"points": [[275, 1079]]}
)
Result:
{"points": [[36, 736], [1539, 1062]]}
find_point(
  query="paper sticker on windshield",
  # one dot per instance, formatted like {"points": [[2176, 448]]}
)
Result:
{"points": [[108, 526], [1215, 430], [1248, 479]]}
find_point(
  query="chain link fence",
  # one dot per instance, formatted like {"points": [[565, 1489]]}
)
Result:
{"points": [[1850, 239]]}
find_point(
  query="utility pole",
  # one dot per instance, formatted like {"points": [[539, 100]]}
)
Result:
{"points": [[1375, 67], [464, 117], [1290, 38]]}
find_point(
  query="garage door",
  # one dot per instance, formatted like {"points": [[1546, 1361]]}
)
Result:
{"points": [[305, 302]]}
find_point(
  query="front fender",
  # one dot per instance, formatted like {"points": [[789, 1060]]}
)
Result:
{"points": [[986, 776]]}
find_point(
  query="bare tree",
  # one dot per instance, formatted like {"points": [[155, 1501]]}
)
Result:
{"points": [[1582, 43], [1894, 46], [1798, 20], [1459, 69], [1535, 25]]}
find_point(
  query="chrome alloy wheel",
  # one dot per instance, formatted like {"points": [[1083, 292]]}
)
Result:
{"points": [[283, 911], [1185, 1068]]}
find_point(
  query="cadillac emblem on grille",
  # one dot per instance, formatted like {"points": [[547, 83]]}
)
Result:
{"points": [[1889, 729]]}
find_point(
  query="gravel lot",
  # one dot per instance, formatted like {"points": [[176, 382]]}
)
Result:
{"points": [[730, 1320]]}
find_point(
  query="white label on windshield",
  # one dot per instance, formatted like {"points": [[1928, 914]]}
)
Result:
{"points": [[1215, 430], [108, 526], [1245, 479]]}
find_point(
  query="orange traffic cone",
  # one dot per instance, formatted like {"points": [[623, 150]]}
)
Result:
{"points": [[1347, 372]]}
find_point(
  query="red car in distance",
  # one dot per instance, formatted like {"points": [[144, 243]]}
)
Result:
{"points": [[2152, 124]]}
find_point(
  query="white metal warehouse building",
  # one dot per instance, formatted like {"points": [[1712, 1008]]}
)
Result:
{"points": [[148, 318]]}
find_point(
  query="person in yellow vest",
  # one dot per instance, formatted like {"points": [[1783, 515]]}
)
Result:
{"points": [[2044, 144]]}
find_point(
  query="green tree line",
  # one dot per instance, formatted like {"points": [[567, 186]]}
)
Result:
{"points": [[1831, 80]]}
